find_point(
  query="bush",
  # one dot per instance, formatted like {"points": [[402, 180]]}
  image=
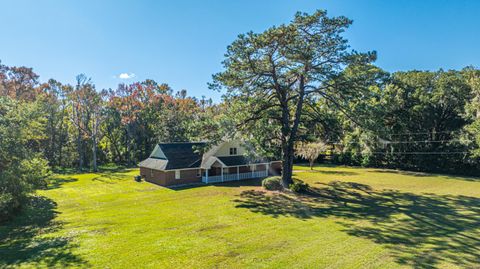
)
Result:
{"points": [[8, 205], [272, 183], [298, 186]]}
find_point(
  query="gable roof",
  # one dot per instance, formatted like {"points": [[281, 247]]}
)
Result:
{"points": [[181, 155]]}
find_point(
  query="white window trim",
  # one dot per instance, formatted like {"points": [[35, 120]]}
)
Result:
{"points": [[177, 174]]}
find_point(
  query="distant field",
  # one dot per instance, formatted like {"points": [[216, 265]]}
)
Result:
{"points": [[352, 218]]}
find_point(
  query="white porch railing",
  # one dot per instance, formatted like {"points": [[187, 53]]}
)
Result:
{"points": [[233, 177]]}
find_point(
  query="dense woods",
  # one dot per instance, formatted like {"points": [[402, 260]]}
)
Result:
{"points": [[320, 93]]}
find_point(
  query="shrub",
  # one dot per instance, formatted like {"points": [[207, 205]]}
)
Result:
{"points": [[272, 183], [8, 205], [298, 186]]}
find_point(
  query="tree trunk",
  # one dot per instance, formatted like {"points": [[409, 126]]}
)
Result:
{"points": [[94, 153], [312, 161], [287, 166], [80, 151]]}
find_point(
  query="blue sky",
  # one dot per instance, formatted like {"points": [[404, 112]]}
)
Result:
{"points": [[182, 42]]}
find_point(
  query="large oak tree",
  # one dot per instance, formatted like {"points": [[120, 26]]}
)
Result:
{"points": [[277, 74]]}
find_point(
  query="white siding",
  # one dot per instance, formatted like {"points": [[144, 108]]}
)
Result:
{"points": [[224, 149]]}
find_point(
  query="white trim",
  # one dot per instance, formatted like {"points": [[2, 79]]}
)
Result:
{"points": [[178, 174], [222, 173], [215, 159], [219, 162]]}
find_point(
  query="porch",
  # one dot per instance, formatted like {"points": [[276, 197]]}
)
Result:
{"points": [[232, 173]]}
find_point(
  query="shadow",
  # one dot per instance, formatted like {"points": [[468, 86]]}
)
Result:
{"points": [[101, 168], [112, 173], [114, 168], [108, 178], [401, 172], [257, 182], [25, 241], [424, 174], [184, 186], [421, 231], [337, 173], [57, 182]]}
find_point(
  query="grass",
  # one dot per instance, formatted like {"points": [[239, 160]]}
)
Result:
{"points": [[350, 218]]}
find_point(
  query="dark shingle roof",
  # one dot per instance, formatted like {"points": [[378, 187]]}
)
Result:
{"points": [[236, 160], [182, 155]]}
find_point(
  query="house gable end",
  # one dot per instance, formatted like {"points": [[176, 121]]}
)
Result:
{"points": [[158, 153], [224, 149]]}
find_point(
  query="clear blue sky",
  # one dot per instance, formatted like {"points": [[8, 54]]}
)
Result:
{"points": [[182, 42]]}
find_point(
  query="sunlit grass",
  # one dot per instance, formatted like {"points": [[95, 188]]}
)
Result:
{"points": [[351, 218]]}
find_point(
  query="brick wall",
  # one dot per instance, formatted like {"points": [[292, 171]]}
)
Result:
{"points": [[186, 177], [167, 178]]}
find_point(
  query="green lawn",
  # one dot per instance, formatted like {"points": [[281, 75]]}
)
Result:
{"points": [[352, 218]]}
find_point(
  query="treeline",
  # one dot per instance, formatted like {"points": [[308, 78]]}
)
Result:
{"points": [[415, 120], [51, 126]]}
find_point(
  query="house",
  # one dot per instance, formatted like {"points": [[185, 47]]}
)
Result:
{"points": [[182, 163]]}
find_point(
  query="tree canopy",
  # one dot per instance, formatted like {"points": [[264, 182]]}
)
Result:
{"points": [[279, 73]]}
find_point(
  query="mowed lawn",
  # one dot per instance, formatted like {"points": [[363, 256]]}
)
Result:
{"points": [[351, 218]]}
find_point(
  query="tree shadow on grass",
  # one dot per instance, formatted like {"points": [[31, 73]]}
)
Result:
{"points": [[57, 182], [334, 172], [257, 182], [425, 174], [26, 241], [111, 175], [109, 178], [422, 231]]}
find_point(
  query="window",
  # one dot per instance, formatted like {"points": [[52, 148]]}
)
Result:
{"points": [[177, 174], [226, 171], [151, 173], [199, 172], [233, 151]]}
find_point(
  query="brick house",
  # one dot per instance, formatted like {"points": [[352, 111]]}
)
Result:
{"points": [[181, 163]]}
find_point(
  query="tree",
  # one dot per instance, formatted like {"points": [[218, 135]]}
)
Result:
{"points": [[473, 109], [310, 151], [18, 83], [279, 72], [86, 115], [54, 104], [22, 170]]}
